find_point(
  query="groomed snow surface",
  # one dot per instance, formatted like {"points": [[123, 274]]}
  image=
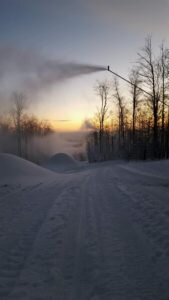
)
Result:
{"points": [[98, 233]]}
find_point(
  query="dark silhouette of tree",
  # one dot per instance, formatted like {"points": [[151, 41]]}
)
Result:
{"points": [[150, 73], [121, 113], [135, 93], [18, 110], [102, 90], [163, 65]]}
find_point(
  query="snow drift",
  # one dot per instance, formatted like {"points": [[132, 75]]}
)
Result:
{"points": [[15, 169], [61, 162]]}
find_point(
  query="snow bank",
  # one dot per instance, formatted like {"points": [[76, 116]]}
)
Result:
{"points": [[15, 169], [61, 162], [149, 168]]}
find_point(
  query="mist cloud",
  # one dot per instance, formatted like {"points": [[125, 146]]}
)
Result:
{"points": [[87, 125], [33, 72], [66, 142]]}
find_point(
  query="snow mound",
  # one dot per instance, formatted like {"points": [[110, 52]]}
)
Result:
{"points": [[13, 168], [61, 162]]}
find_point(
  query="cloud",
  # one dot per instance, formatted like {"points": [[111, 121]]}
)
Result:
{"points": [[62, 121]]}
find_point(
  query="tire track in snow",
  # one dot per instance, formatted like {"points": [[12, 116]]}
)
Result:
{"points": [[43, 276], [78, 289], [89, 248], [126, 269], [16, 256], [146, 210], [150, 208]]}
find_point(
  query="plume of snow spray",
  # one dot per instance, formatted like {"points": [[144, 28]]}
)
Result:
{"points": [[52, 72], [34, 72]]}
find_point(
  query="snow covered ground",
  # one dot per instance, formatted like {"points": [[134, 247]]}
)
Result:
{"points": [[62, 162], [99, 233]]}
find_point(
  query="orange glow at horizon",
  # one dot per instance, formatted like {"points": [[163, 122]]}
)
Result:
{"points": [[66, 125], [73, 124]]}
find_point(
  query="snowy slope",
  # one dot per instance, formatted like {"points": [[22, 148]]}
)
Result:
{"points": [[61, 162], [14, 169], [156, 168], [100, 234]]}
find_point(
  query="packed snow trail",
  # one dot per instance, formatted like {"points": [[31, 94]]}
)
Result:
{"points": [[98, 234]]}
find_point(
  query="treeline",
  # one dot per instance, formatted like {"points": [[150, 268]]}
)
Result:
{"points": [[19, 130], [134, 126]]}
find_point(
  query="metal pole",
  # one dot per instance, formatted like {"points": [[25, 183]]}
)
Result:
{"points": [[126, 80], [108, 69]]}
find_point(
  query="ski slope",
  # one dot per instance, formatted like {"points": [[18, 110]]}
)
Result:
{"points": [[99, 233]]}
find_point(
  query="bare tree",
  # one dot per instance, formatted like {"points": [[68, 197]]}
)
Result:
{"points": [[135, 93], [32, 127], [121, 112], [163, 65], [150, 74], [143, 131], [102, 90], [18, 110]]}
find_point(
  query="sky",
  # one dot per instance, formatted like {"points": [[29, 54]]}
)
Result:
{"points": [[97, 32]]}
